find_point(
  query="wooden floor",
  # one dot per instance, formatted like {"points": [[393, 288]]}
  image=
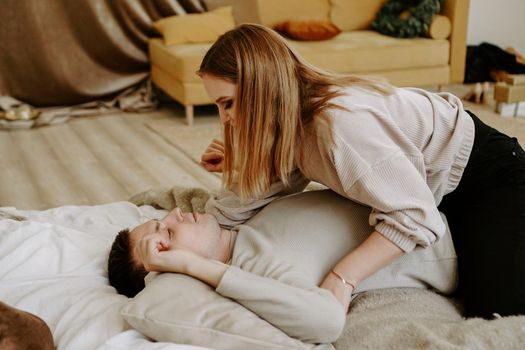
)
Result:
{"points": [[92, 160]]}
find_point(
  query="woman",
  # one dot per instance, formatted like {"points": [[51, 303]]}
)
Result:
{"points": [[401, 151]]}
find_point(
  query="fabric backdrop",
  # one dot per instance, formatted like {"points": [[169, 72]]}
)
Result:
{"points": [[68, 52]]}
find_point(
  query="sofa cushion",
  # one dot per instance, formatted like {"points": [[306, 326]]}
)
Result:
{"points": [[272, 12], [181, 61], [365, 51], [187, 93], [349, 52], [244, 11], [195, 27], [438, 75], [354, 14], [440, 27]]}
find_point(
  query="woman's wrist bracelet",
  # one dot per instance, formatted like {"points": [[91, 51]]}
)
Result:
{"points": [[344, 281]]}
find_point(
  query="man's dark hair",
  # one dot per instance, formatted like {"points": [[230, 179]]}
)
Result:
{"points": [[123, 272]]}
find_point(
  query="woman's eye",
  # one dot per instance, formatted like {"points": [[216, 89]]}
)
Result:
{"points": [[228, 105]]}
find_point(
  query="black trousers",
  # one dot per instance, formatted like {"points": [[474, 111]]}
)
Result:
{"points": [[486, 216]]}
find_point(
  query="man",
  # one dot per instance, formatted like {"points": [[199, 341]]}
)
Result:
{"points": [[273, 263]]}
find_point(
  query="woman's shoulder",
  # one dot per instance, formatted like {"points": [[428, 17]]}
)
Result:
{"points": [[349, 101], [355, 97], [354, 110]]}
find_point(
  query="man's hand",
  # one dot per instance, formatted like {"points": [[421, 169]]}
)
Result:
{"points": [[213, 157], [341, 291], [153, 252]]}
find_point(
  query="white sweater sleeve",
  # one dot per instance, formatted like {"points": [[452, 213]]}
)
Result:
{"points": [[373, 170], [403, 207], [230, 210], [313, 315]]}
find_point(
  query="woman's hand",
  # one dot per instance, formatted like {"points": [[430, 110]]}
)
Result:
{"points": [[153, 251], [213, 157], [341, 291]]}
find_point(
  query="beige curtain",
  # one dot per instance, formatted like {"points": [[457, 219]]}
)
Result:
{"points": [[73, 52]]}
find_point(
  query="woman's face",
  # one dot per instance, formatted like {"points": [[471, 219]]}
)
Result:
{"points": [[223, 93], [199, 233]]}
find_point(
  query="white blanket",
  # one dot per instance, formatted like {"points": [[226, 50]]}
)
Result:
{"points": [[54, 265]]}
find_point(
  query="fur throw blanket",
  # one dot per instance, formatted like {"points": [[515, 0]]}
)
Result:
{"points": [[397, 318], [413, 318], [22, 330], [188, 199]]}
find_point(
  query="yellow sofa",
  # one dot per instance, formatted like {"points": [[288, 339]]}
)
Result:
{"points": [[358, 49]]}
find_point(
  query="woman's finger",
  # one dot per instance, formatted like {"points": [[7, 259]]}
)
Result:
{"points": [[218, 142], [217, 147], [215, 168], [212, 157]]}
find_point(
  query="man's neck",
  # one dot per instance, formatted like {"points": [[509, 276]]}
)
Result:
{"points": [[225, 246]]}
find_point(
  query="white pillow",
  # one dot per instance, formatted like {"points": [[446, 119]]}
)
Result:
{"points": [[181, 309]]}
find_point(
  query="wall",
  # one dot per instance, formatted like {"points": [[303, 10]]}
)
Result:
{"points": [[499, 22]]}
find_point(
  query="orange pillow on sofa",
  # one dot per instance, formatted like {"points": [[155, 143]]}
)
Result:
{"points": [[307, 29]]}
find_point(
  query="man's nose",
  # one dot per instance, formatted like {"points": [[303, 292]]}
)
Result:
{"points": [[179, 212], [174, 214]]}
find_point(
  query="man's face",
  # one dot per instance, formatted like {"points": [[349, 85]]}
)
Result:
{"points": [[199, 233]]}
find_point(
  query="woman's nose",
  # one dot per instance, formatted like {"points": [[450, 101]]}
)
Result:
{"points": [[224, 116]]}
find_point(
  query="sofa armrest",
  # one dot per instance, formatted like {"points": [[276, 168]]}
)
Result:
{"points": [[457, 11]]}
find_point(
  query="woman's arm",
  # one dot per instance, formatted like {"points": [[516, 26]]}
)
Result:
{"points": [[375, 171], [370, 256]]}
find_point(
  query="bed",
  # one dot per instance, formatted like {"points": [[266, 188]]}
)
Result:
{"points": [[53, 264]]}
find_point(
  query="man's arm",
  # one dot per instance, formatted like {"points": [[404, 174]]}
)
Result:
{"points": [[313, 315]]}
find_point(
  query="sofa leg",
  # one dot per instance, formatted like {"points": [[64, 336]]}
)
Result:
{"points": [[189, 114]]}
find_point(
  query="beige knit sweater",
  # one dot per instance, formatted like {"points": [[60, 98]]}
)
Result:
{"points": [[398, 154]]}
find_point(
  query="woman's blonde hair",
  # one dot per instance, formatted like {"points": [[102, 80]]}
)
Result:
{"points": [[278, 94]]}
